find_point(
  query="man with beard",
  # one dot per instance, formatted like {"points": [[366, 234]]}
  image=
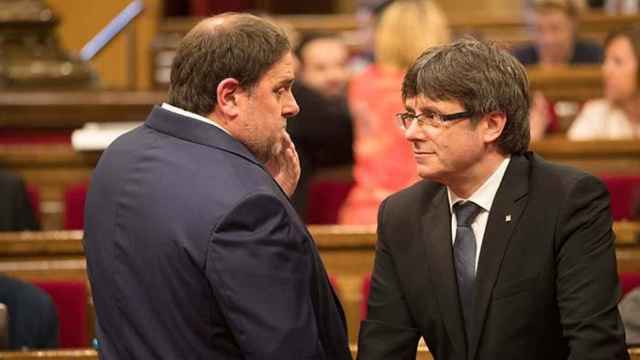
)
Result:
{"points": [[193, 249]]}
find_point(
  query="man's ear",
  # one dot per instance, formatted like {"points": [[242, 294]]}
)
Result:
{"points": [[494, 125], [227, 94]]}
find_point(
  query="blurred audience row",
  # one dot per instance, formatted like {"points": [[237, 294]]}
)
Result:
{"points": [[617, 115], [329, 95], [347, 108]]}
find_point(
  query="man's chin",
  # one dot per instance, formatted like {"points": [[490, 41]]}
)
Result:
{"points": [[428, 173]]}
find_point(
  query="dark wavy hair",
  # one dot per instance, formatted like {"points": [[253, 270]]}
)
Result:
{"points": [[483, 78]]}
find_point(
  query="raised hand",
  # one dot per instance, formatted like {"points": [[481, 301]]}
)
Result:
{"points": [[284, 164]]}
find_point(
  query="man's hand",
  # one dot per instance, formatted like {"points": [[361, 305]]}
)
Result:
{"points": [[284, 164]]}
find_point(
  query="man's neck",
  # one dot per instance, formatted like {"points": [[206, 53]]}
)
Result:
{"points": [[466, 184]]}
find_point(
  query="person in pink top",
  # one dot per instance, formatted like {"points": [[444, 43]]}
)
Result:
{"points": [[383, 160]]}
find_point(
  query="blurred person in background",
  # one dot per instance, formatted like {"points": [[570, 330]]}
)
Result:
{"points": [[322, 129], [553, 30], [553, 26], [16, 211], [383, 159], [368, 14], [32, 316], [617, 115]]}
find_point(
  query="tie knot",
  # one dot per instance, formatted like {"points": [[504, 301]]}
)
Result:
{"points": [[466, 212]]}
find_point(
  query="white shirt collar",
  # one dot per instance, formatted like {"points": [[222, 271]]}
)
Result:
{"points": [[177, 110], [486, 193]]}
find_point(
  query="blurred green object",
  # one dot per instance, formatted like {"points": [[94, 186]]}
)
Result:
{"points": [[30, 55]]}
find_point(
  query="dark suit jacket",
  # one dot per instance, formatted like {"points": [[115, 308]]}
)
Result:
{"points": [[546, 283], [194, 252]]}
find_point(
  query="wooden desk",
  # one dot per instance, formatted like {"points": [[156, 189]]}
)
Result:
{"points": [[571, 83], [90, 354], [347, 253], [52, 168], [75, 354], [596, 157], [72, 109]]}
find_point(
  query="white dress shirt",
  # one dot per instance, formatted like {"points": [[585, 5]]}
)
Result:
{"points": [[177, 110], [600, 120], [482, 197]]}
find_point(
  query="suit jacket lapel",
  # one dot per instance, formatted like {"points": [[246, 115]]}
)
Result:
{"points": [[436, 229], [505, 213]]}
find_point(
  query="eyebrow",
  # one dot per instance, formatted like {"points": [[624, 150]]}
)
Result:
{"points": [[423, 109], [288, 82]]}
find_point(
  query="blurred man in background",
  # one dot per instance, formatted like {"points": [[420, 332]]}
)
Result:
{"points": [[322, 130], [553, 31]]}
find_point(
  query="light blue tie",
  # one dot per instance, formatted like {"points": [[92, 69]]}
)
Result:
{"points": [[464, 253]]}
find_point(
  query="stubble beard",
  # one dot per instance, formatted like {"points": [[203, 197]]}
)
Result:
{"points": [[265, 149]]}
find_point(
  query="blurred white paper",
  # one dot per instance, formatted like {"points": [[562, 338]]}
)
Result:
{"points": [[97, 136]]}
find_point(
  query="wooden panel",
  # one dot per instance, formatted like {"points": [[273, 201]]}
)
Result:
{"points": [[83, 19], [79, 354], [596, 157], [575, 83], [502, 27], [71, 110], [52, 168]]}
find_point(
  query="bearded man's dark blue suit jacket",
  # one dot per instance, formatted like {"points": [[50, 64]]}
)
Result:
{"points": [[194, 252]]}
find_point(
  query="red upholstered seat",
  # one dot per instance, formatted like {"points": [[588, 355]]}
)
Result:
{"points": [[625, 194], [74, 198], [629, 281], [325, 199], [70, 299], [14, 136]]}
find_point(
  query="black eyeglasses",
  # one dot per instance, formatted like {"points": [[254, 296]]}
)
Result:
{"points": [[429, 118]]}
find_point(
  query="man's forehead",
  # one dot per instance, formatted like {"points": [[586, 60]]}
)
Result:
{"points": [[421, 102], [282, 70]]}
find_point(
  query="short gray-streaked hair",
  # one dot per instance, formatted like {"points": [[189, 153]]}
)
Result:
{"points": [[483, 78], [229, 45]]}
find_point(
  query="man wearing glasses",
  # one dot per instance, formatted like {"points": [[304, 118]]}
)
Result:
{"points": [[496, 254]]}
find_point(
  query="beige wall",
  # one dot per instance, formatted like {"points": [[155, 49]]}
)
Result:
{"points": [[82, 19]]}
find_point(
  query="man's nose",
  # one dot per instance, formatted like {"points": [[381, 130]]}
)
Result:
{"points": [[413, 132], [290, 108]]}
